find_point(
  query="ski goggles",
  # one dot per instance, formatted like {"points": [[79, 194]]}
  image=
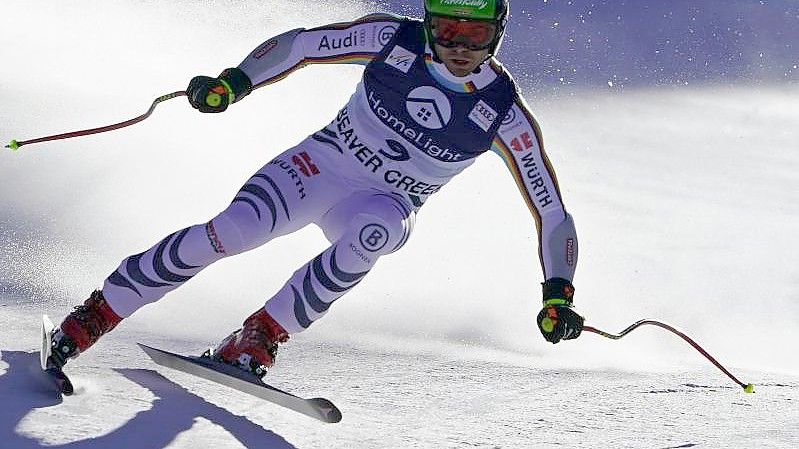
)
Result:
{"points": [[472, 34]]}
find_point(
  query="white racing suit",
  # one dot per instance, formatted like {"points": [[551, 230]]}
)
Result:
{"points": [[409, 128]]}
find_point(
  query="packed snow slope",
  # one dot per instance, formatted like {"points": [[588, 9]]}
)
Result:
{"points": [[683, 185]]}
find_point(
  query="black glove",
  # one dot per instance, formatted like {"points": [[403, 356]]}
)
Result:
{"points": [[215, 94], [557, 320]]}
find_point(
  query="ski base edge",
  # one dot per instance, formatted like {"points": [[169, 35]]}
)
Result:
{"points": [[204, 367]]}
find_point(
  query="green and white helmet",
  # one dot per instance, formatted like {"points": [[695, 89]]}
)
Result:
{"points": [[495, 11]]}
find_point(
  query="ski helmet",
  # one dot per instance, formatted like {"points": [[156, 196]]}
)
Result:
{"points": [[494, 11]]}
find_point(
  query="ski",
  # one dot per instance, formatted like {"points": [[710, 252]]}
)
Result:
{"points": [[209, 369], [53, 372]]}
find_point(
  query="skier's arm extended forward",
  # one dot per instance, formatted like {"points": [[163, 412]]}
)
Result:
{"points": [[519, 144], [356, 42]]}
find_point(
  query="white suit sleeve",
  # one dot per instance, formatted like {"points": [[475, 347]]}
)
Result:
{"points": [[520, 145], [356, 42]]}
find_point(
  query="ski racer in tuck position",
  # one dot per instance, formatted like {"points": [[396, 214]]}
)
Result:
{"points": [[432, 99]]}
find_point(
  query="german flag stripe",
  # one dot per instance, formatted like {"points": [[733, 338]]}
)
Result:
{"points": [[539, 137], [282, 75], [467, 87], [500, 148], [349, 58]]}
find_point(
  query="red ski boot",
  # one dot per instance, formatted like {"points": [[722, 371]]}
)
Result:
{"points": [[253, 348], [82, 328]]}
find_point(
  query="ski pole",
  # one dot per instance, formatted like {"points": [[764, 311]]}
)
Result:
{"points": [[749, 388], [14, 144]]}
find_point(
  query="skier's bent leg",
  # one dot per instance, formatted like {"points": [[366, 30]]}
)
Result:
{"points": [[362, 229], [144, 278], [273, 202]]}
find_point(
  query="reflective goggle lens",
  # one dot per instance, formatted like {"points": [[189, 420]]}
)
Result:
{"points": [[472, 34]]}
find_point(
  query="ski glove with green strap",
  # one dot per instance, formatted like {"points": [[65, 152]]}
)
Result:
{"points": [[557, 321], [215, 94]]}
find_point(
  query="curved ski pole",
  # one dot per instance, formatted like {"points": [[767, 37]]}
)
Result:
{"points": [[749, 388], [14, 144]]}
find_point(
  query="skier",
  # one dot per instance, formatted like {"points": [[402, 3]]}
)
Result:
{"points": [[432, 99]]}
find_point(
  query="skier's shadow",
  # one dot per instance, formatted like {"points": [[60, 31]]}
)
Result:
{"points": [[174, 410]]}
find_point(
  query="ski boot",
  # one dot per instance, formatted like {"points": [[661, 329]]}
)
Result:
{"points": [[252, 348], [82, 328]]}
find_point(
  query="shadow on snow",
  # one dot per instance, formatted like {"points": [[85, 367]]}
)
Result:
{"points": [[24, 388]]}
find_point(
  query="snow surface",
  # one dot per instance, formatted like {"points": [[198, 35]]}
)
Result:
{"points": [[686, 200]]}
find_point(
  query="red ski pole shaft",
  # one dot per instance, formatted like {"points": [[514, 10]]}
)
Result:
{"points": [[14, 145], [749, 388]]}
